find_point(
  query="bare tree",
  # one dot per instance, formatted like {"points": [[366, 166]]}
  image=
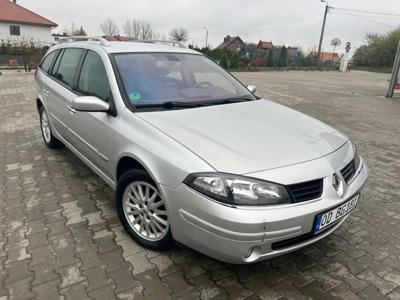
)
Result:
{"points": [[132, 28], [29, 49], [146, 31], [127, 27], [136, 25], [179, 34], [138, 29], [109, 27], [159, 36]]}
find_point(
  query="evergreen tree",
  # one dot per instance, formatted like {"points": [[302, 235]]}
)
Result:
{"points": [[224, 62], [270, 58], [283, 57], [234, 60], [79, 32]]}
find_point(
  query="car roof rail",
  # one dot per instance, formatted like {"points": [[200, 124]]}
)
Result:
{"points": [[67, 39], [164, 42]]}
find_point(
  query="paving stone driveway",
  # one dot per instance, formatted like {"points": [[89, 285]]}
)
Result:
{"points": [[60, 236]]}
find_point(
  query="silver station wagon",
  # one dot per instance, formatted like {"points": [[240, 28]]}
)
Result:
{"points": [[192, 154]]}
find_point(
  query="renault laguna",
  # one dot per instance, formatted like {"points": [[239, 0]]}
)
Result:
{"points": [[193, 155]]}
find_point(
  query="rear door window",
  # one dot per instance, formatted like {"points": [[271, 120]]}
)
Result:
{"points": [[93, 80], [47, 61], [68, 65], [53, 71]]}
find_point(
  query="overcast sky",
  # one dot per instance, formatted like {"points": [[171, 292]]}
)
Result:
{"points": [[289, 22]]}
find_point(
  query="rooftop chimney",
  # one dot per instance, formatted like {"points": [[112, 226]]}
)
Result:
{"points": [[227, 38], [15, 1]]}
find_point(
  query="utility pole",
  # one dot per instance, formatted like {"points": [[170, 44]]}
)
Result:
{"points": [[206, 36], [322, 32], [395, 74]]}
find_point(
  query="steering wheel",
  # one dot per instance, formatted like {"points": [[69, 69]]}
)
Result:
{"points": [[202, 83]]}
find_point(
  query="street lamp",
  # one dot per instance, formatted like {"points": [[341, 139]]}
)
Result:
{"points": [[206, 36]]}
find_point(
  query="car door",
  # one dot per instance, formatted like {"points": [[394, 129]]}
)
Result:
{"points": [[93, 131], [48, 92], [59, 89], [45, 68]]}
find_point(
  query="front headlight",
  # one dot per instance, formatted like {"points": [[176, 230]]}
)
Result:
{"points": [[238, 190]]}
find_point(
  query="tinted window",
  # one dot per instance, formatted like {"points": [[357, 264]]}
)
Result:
{"points": [[68, 65], [46, 63], [57, 63], [93, 79]]}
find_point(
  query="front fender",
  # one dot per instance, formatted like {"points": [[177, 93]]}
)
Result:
{"points": [[167, 161]]}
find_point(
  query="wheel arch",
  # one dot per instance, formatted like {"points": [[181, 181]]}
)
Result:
{"points": [[39, 103], [126, 163]]}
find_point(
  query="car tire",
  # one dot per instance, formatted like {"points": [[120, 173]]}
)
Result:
{"points": [[143, 211], [49, 139]]}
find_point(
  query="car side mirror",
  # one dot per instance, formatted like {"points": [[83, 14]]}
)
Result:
{"points": [[252, 88], [89, 103]]}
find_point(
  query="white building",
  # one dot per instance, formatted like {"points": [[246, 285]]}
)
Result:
{"points": [[17, 22]]}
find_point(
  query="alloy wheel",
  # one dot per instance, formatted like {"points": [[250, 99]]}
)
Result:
{"points": [[145, 210], [45, 127]]}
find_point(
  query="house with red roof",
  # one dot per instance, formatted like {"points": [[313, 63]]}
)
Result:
{"points": [[17, 22], [262, 50], [265, 45], [118, 38], [330, 57]]}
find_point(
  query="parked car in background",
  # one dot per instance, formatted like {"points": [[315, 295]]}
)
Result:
{"points": [[194, 155]]}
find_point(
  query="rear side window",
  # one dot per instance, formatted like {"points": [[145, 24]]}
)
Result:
{"points": [[68, 65], [46, 63], [53, 71], [93, 80]]}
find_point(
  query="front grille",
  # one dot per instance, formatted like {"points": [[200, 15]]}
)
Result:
{"points": [[305, 191], [349, 171]]}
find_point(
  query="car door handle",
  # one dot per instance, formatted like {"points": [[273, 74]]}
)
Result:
{"points": [[71, 110], [46, 92]]}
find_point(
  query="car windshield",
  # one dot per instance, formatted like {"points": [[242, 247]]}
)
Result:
{"points": [[157, 79]]}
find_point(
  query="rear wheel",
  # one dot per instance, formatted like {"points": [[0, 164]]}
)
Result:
{"points": [[50, 140], [143, 211]]}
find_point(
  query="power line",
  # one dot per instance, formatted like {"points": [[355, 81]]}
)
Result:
{"points": [[366, 11], [367, 19], [276, 25], [292, 23], [390, 18], [375, 17], [280, 25]]}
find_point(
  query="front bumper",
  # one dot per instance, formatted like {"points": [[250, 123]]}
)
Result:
{"points": [[245, 235]]}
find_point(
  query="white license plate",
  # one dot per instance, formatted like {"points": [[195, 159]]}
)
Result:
{"points": [[328, 218]]}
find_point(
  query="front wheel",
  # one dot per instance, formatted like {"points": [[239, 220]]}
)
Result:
{"points": [[143, 211], [50, 140]]}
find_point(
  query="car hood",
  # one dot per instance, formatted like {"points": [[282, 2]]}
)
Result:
{"points": [[250, 136]]}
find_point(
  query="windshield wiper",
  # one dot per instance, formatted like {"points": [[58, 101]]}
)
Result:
{"points": [[234, 100], [178, 104], [181, 104], [170, 105]]}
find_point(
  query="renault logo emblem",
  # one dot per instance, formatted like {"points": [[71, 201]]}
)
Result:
{"points": [[338, 185]]}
